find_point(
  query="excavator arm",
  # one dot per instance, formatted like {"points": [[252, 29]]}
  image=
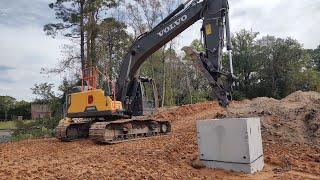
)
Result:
{"points": [[214, 14]]}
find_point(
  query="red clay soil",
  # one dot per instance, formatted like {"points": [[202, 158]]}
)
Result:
{"points": [[290, 134]]}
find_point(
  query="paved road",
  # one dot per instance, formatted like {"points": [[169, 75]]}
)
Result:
{"points": [[5, 136]]}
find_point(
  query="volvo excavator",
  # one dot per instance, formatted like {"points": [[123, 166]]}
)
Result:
{"points": [[122, 115]]}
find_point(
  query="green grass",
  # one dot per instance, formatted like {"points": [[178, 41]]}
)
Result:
{"points": [[7, 125], [30, 128], [30, 134], [11, 124]]}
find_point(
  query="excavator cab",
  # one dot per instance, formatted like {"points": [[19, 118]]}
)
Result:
{"points": [[145, 95], [150, 96]]}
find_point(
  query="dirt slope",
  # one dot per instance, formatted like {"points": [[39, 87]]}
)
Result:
{"points": [[295, 118], [290, 134]]}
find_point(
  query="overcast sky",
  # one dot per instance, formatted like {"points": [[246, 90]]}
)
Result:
{"points": [[25, 49]]}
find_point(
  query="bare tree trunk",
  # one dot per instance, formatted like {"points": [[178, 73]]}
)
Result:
{"points": [[93, 38], [5, 115], [90, 35], [168, 74], [163, 76], [82, 34], [89, 62], [189, 89]]}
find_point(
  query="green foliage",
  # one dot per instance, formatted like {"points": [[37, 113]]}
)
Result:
{"points": [[246, 62], [280, 57], [112, 45], [265, 66], [306, 78], [272, 67], [21, 108], [44, 92], [42, 127], [68, 12], [6, 103], [34, 129], [315, 56], [10, 106], [197, 45], [7, 125]]}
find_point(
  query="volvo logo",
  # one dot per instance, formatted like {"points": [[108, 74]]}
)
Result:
{"points": [[173, 25]]}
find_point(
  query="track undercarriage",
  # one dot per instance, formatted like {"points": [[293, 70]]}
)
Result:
{"points": [[111, 132], [73, 131], [127, 130]]}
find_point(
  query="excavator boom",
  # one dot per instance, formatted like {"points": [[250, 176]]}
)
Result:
{"points": [[214, 14]]}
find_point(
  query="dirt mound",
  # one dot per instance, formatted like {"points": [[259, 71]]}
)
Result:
{"points": [[290, 135], [303, 97], [294, 119], [190, 110]]}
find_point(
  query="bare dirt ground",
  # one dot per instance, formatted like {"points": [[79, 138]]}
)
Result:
{"points": [[291, 138]]}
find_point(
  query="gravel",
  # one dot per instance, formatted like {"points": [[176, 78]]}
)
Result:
{"points": [[5, 136]]}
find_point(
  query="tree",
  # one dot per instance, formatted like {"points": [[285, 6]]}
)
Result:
{"points": [[44, 92], [95, 8], [143, 15], [112, 45], [281, 58], [6, 104], [21, 108], [79, 18], [71, 14], [315, 56], [270, 66], [45, 95], [197, 85], [246, 63]]}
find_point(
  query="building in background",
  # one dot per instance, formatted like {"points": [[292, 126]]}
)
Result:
{"points": [[39, 111]]}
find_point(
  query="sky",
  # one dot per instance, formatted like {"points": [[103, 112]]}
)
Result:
{"points": [[25, 49]]}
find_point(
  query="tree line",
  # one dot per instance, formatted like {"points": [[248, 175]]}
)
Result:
{"points": [[273, 67], [10, 108]]}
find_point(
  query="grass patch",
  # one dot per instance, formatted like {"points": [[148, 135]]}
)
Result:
{"points": [[7, 124], [30, 128], [34, 129], [12, 124], [33, 133]]}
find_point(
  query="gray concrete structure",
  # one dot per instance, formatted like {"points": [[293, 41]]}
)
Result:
{"points": [[231, 144]]}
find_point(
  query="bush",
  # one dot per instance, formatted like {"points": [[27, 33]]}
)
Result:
{"points": [[34, 129]]}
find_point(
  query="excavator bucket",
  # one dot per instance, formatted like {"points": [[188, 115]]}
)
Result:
{"points": [[220, 82]]}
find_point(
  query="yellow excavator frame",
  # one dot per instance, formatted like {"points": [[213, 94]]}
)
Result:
{"points": [[92, 103]]}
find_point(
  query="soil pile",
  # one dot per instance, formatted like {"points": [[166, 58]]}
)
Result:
{"points": [[294, 119]]}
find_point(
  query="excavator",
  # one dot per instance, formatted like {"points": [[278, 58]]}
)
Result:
{"points": [[123, 114]]}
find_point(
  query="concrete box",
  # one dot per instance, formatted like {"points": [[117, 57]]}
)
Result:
{"points": [[231, 144]]}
